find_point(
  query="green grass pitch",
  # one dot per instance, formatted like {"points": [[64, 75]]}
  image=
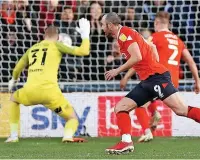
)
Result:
{"points": [[52, 148]]}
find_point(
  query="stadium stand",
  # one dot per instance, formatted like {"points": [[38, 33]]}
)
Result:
{"points": [[22, 24]]}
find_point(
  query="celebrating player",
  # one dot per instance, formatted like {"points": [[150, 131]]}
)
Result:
{"points": [[171, 51], [155, 80], [43, 61]]}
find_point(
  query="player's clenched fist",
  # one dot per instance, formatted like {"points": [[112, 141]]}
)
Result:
{"points": [[84, 28], [111, 73]]}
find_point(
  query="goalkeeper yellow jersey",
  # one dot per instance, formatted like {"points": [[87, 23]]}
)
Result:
{"points": [[43, 60]]}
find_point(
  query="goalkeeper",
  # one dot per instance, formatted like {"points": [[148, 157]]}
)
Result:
{"points": [[43, 61]]}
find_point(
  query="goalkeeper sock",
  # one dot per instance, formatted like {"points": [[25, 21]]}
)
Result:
{"points": [[14, 118], [194, 113], [153, 107], [142, 117], [70, 128], [124, 122]]}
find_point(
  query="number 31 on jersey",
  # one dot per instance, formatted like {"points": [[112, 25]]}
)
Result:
{"points": [[34, 56]]}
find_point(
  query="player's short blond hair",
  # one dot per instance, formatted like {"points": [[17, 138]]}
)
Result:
{"points": [[51, 31], [163, 16]]}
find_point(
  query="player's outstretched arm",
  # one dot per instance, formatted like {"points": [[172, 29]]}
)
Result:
{"points": [[23, 62], [136, 56], [84, 49], [186, 56]]}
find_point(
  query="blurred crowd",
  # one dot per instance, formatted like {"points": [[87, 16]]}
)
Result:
{"points": [[23, 23]]}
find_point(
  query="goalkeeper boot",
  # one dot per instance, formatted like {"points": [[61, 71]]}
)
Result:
{"points": [[148, 136], [120, 148], [67, 139], [155, 120], [12, 139], [73, 140]]}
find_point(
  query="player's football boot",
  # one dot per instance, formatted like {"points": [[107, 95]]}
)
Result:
{"points": [[73, 140], [12, 139], [120, 148], [155, 120], [148, 136]]}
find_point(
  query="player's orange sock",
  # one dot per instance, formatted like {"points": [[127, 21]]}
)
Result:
{"points": [[124, 122], [194, 113], [142, 117], [152, 107]]}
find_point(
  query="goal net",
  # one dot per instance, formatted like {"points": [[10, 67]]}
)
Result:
{"points": [[82, 78]]}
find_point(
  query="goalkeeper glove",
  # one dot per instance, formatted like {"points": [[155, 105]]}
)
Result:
{"points": [[84, 28], [11, 84]]}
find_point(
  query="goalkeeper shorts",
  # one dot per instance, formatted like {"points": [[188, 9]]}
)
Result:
{"points": [[51, 98]]}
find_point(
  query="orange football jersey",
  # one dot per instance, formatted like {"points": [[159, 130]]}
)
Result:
{"points": [[170, 48], [148, 65]]}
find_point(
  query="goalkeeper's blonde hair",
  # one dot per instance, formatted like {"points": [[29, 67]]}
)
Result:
{"points": [[51, 32]]}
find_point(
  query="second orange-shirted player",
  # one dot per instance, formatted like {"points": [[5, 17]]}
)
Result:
{"points": [[171, 50]]}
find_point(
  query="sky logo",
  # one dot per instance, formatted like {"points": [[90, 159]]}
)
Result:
{"points": [[44, 121]]}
